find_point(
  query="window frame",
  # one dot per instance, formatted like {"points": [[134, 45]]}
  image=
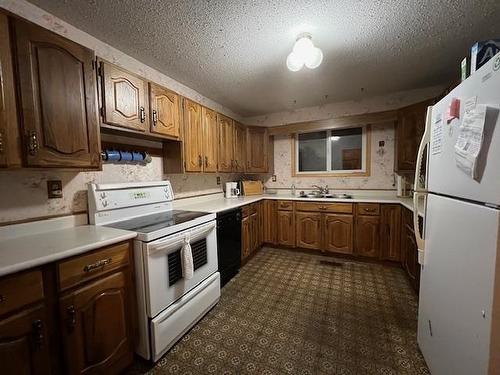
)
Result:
{"points": [[366, 153]]}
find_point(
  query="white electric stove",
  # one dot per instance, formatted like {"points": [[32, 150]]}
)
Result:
{"points": [[168, 303]]}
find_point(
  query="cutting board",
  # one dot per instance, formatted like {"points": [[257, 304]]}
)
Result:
{"points": [[252, 187]]}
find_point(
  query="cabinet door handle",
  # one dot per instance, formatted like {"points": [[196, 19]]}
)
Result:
{"points": [[155, 117], [200, 161], [38, 333], [71, 318], [32, 143], [142, 114], [2, 298], [1, 143], [206, 161], [99, 264]]}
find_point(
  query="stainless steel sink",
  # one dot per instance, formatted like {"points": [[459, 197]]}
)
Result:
{"points": [[329, 196]]}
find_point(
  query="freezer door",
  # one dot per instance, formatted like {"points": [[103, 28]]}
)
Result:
{"points": [[444, 176], [457, 287]]}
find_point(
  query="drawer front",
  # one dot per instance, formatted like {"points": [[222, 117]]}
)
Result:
{"points": [[370, 209], [285, 205], [343, 208], [86, 267], [245, 210], [253, 208], [20, 290]]}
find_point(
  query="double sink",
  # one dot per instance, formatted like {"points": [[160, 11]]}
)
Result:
{"points": [[321, 196]]}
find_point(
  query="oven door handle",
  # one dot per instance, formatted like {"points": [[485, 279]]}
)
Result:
{"points": [[175, 242]]}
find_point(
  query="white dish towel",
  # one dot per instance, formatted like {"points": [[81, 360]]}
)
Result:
{"points": [[187, 258]]}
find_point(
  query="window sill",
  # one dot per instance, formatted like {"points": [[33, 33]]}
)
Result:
{"points": [[331, 174]]}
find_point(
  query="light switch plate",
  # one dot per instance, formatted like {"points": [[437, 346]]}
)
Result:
{"points": [[273, 178]]}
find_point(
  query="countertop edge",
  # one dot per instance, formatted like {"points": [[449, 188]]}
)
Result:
{"points": [[33, 263]]}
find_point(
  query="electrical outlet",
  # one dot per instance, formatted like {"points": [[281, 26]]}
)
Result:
{"points": [[381, 143], [273, 178], [54, 189], [218, 180]]}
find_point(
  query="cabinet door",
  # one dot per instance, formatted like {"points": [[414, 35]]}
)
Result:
{"points": [[96, 326], [239, 148], [165, 111], [24, 344], [411, 259], [254, 229], [409, 130], [390, 232], [10, 145], [58, 95], [270, 221], [245, 237], [286, 228], [124, 98], [338, 233], [257, 143], [210, 140], [192, 137], [367, 236], [308, 230], [226, 148]]}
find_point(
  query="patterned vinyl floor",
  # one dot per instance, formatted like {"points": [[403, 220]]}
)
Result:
{"points": [[294, 313]]}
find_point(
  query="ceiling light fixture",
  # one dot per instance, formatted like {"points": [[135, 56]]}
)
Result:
{"points": [[304, 53]]}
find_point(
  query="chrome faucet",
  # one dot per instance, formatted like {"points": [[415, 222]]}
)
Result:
{"points": [[322, 190]]}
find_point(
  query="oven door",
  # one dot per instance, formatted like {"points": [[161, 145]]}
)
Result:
{"points": [[163, 270]]}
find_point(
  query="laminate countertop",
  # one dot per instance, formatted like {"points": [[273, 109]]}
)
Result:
{"points": [[28, 247], [217, 203]]}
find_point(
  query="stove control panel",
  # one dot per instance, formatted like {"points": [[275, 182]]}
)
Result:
{"points": [[125, 196]]}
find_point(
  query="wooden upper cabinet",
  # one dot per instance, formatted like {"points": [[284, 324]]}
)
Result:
{"points": [[239, 147], [58, 99], [24, 348], [164, 111], [96, 325], [193, 134], [10, 142], [257, 145], [390, 231], [210, 140], [409, 130], [367, 236], [338, 233], [308, 230], [226, 147], [124, 98]]}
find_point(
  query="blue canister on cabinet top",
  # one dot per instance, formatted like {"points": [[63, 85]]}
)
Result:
{"points": [[483, 51]]}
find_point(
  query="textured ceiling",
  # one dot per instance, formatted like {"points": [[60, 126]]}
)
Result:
{"points": [[234, 51]]}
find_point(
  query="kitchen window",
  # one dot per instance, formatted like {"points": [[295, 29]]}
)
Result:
{"points": [[336, 152]]}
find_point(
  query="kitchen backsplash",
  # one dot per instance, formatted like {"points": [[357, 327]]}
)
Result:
{"points": [[382, 165], [23, 193]]}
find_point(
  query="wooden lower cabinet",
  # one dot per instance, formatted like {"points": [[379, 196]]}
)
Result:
{"points": [[245, 237], [251, 229], [367, 236], [270, 221], [338, 234], [286, 228], [24, 348], [409, 250], [390, 232], [90, 320], [96, 326], [308, 230]]}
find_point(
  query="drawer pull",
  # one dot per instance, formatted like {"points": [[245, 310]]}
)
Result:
{"points": [[99, 264], [369, 209], [38, 333], [71, 318]]}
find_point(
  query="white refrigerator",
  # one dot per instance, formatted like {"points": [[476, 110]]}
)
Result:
{"points": [[459, 249]]}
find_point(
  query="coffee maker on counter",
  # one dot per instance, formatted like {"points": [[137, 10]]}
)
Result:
{"points": [[232, 190]]}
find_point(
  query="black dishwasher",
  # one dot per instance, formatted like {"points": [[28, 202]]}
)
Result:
{"points": [[229, 243]]}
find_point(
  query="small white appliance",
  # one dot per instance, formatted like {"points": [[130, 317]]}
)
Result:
{"points": [[232, 190], [168, 242], [459, 251]]}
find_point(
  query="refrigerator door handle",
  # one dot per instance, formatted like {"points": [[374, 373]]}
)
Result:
{"points": [[420, 189]]}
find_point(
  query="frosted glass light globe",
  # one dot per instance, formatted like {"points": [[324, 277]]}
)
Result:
{"points": [[294, 62], [314, 58], [303, 47]]}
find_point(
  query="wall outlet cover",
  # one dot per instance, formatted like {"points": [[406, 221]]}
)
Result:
{"points": [[218, 180], [273, 178], [54, 189]]}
